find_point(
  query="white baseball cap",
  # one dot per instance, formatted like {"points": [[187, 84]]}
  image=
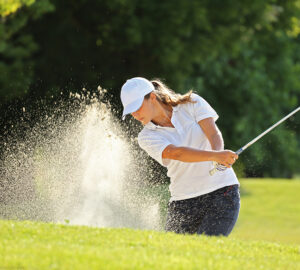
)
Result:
{"points": [[133, 93]]}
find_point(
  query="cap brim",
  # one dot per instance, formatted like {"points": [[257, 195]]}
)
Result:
{"points": [[132, 107]]}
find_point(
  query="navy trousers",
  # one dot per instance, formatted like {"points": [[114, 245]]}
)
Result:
{"points": [[214, 213]]}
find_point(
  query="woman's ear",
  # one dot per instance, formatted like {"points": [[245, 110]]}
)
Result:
{"points": [[152, 96]]}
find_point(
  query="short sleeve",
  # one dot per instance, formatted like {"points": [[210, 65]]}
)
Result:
{"points": [[202, 109], [153, 144]]}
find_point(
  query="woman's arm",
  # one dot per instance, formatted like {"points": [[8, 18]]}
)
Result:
{"points": [[212, 132], [186, 154]]}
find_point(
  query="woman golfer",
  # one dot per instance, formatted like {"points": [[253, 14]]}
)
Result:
{"points": [[180, 133]]}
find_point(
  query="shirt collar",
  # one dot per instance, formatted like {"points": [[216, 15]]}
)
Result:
{"points": [[152, 126]]}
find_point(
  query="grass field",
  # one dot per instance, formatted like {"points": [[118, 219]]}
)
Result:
{"points": [[270, 210], [270, 213], [27, 245]]}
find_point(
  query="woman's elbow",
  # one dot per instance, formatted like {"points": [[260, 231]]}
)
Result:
{"points": [[172, 152]]}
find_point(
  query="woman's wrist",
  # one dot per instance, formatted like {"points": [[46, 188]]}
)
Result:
{"points": [[213, 155]]}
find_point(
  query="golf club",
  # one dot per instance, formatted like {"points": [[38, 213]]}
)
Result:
{"points": [[219, 167]]}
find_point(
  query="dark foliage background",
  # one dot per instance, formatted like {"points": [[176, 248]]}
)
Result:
{"points": [[241, 56]]}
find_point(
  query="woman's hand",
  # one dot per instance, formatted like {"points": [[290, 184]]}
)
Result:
{"points": [[226, 158]]}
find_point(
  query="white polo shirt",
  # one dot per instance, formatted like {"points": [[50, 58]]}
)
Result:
{"points": [[188, 179]]}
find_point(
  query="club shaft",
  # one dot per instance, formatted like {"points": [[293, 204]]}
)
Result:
{"points": [[265, 132]]}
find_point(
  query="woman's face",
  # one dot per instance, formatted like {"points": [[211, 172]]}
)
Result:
{"points": [[146, 112]]}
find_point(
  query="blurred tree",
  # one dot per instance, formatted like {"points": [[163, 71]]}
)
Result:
{"points": [[257, 80], [242, 56], [18, 46], [8, 7]]}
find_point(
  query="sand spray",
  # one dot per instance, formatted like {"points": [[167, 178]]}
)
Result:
{"points": [[76, 165]]}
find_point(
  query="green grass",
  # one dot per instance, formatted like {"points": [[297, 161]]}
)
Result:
{"points": [[28, 245], [270, 213], [270, 210]]}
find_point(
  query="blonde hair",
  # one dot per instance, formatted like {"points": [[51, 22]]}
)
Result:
{"points": [[167, 96]]}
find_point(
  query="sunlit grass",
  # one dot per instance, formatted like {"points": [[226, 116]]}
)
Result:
{"points": [[28, 245], [270, 210]]}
